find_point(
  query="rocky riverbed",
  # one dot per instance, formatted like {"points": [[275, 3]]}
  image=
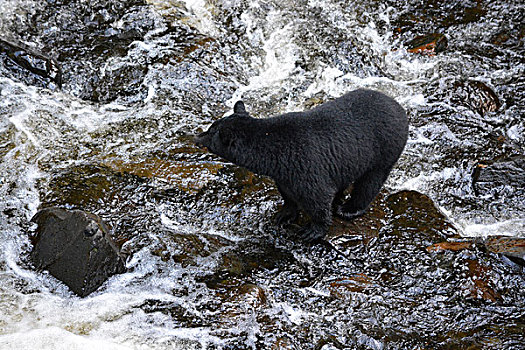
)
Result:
{"points": [[99, 102]]}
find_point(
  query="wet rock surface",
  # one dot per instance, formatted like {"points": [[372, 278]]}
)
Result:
{"points": [[420, 14], [76, 248], [98, 47], [382, 282], [383, 274], [495, 178], [30, 66], [511, 247], [105, 192], [476, 96]]}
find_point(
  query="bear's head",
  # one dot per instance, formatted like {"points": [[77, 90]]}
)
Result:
{"points": [[223, 136]]}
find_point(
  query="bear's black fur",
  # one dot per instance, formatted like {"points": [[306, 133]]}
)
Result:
{"points": [[315, 155]]}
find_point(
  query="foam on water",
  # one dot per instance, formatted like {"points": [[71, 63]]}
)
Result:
{"points": [[56, 338], [48, 130], [503, 228]]}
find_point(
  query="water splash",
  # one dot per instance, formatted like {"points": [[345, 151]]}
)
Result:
{"points": [[198, 227]]}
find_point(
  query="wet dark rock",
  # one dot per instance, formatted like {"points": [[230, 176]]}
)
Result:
{"points": [[99, 49], [76, 248], [416, 213], [396, 260], [364, 228], [243, 261], [114, 196], [409, 226], [429, 44], [90, 34], [186, 248], [89, 186], [481, 281], [83, 37], [242, 186], [404, 213], [29, 66], [250, 295], [511, 247], [403, 257], [500, 178], [180, 173], [233, 281], [437, 14], [476, 96]]}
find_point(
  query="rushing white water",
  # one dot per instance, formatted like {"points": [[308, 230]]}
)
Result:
{"points": [[283, 63]]}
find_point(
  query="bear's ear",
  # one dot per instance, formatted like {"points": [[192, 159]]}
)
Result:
{"points": [[239, 108]]}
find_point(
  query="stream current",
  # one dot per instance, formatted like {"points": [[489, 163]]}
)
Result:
{"points": [[139, 78]]}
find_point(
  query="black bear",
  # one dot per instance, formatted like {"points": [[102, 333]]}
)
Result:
{"points": [[314, 156]]}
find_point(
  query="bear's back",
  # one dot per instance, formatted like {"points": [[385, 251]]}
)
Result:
{"points": [[359, 113], [367, 106], [362, 128]]}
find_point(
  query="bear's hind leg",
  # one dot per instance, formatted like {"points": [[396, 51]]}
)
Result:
{"points": [[338, 198], [287, 214], [365, 190]]}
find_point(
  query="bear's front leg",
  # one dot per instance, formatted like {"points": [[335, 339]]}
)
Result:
{"points": [[313, 232], [289, 212], [317, 229]]}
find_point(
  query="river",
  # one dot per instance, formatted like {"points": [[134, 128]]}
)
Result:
{"points": [[113, 136]]}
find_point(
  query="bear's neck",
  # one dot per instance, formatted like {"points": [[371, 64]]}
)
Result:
{"points": [[258, 150]]}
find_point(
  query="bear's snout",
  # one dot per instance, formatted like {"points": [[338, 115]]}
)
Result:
{"points": [[201, 140]]}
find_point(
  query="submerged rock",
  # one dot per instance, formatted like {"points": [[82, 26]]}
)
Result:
{"points": [[438, 14], [76, 248], [399, 277], [356, 283], [480, 281], [180, 173], [250, 295], [481, 277], [476, 96], [86, 37], [371, 273], [403, 235], [511, 247], [449, 246]]}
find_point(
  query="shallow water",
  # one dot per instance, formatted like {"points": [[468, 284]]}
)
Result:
{"points": [[207, 268]]}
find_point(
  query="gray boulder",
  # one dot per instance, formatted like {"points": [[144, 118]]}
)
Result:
{"points": [[76, 248]]}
